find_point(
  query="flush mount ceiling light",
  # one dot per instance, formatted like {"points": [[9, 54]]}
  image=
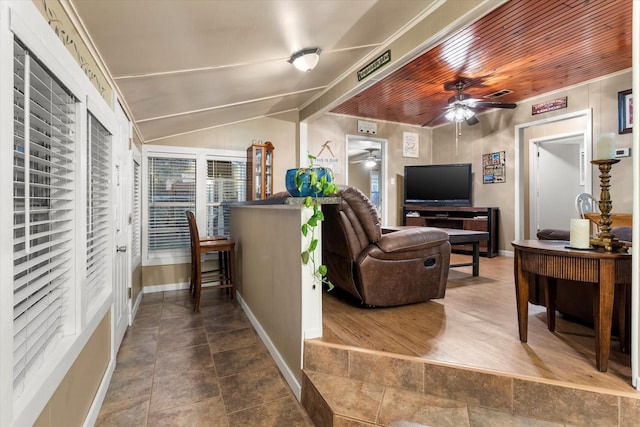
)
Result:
{"points": [[306, 59]]}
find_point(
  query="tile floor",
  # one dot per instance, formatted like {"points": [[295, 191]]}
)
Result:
{"points": [[180, 368]]}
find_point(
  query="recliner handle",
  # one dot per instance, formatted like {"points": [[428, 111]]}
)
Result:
{"points": [[430, 262]]}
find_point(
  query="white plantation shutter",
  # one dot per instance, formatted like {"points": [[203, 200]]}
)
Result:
{"points": [[43, 201], [136, 211], [226, 183], [98, 209], [172, 191]]}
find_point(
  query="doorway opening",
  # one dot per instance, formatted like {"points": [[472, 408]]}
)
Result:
{"points": [[557, 175], [366, 169]]}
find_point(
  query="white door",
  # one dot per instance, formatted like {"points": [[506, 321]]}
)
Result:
{"points": [[558, 177], [121, 273]]}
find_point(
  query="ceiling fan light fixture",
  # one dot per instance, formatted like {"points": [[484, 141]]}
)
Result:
{"points": [[468, 113], [450, 115], [306, 59], [370, 163], [459, 113]]}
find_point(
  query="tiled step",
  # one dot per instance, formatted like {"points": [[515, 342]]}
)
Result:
{"points": [[348, 386], [333, 400]]}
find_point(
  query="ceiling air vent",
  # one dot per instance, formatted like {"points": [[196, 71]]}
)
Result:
{"points": [[498, 94]]}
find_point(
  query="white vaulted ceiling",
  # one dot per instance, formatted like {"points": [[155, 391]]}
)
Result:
{"points": [[187, 65]]}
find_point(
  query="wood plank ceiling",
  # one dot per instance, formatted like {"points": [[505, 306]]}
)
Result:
{"points": [[528, 47]]}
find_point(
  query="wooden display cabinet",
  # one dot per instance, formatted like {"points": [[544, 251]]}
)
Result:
{"points": [[260, 171]]}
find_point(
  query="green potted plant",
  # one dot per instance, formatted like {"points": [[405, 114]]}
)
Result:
{"points": [[312, 182]]}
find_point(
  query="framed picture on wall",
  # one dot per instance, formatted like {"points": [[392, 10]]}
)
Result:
{"points": [[410, 145], [625, 111]]}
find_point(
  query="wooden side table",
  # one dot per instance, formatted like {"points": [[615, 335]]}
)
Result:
{"points": [[552, 258]]}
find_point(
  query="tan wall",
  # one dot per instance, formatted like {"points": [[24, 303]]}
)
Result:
{"points": [[334, 128], [360, 177], [495, 132], [239, 136], [165, 274], [136, 283], [72, 399], [268, 238]]}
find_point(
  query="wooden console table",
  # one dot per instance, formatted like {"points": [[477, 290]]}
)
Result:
{"points": [[459, 217], [552, 259]]}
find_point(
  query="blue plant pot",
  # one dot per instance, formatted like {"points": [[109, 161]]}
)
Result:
{"points": [[306, 179]]}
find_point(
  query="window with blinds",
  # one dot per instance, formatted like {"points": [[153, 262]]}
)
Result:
{"points": [[98, 185], [226, 183], [136, 212], [43, 203], [172, 191]]}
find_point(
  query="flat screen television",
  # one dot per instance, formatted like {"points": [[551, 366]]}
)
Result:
{"points": [[438, 185]]}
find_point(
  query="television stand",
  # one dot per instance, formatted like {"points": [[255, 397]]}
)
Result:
{"points": [[465, 218]]}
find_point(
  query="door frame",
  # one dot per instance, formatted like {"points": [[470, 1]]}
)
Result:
{"points": [[519, 157], [382, 180], [533, 171]]}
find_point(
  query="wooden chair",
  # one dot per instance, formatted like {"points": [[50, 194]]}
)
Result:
{"points": [[193, 235], [223, 276]]}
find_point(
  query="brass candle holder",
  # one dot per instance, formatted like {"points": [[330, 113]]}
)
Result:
{"points": [[605, 240]]}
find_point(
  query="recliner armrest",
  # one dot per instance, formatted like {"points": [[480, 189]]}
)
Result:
{"points": [[412, 239]]}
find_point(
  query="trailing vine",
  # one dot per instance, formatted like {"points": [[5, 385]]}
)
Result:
{"points": [[320, 186]]}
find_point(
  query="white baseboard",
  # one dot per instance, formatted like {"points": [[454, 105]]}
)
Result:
{"points": [[135, 307], [166, 287], [286, 371], [507, 253], [94, 410]]}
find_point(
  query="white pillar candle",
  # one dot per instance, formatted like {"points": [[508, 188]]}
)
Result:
{"points": [[579, 233], [606, 146]]}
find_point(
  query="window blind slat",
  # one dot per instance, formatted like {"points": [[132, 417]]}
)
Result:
{"points": [[44, 173], [171, 193], [98, 209], [136, 208], [226, 183], [42, 277]]}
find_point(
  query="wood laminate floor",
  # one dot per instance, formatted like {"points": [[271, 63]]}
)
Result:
{"points": [[476, 325]]}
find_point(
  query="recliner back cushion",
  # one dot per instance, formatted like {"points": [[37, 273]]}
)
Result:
{"points": [[361, 214], [352, 225]]}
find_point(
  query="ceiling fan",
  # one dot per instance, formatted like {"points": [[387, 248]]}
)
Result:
{"points": [[369, 161], [462, 107]]}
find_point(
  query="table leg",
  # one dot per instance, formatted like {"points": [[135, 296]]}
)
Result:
{"points": [[622, 290], [550, 293], [603, 310], [522, 295], [476, 258]]}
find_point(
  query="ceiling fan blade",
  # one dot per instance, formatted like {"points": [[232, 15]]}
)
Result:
{"points": [[494, 105], [436, 118], [472, 120]]}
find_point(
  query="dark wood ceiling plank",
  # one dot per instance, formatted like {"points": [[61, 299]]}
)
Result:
{"points": [[530, 47]]}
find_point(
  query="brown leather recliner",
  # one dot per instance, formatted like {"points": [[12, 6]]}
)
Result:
{"points": [[401, 267]]}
